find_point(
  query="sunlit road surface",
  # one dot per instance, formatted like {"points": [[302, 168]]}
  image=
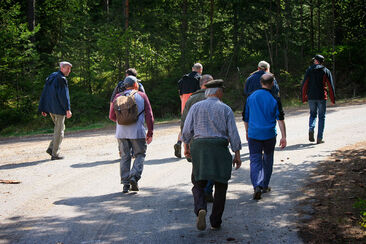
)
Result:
{"points": [[79, 199]]}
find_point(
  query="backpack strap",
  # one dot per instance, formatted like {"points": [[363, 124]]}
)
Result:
{"points": [[132, 94]]}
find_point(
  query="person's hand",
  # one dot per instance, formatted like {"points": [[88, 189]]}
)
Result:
{"points": [[237, 160], [246, 134], [44, 114], [187, 151], [148, 139], [283, 143], [68, 114]]}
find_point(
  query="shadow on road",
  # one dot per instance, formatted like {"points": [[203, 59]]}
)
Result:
{"points": [[21, 165], [94, 164]]}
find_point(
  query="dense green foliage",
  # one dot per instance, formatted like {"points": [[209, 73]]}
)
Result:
{"points": [[162, 39]]}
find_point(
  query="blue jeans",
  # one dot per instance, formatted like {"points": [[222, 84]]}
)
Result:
{"points": [[261, 161], [317, 107]]}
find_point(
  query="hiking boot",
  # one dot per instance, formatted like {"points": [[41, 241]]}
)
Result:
{"points": [[201, 219], [266, 189], [257, 193], [311, 136], [214, 228], [177, 150], [319, 141], [57, 157], [209, 197], [49, 151], [125, 188], [134, 186]]}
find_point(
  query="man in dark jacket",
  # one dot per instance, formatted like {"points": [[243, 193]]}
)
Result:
{"points": [[187, 85], [313, 90], [253, 83], [55, 101]]}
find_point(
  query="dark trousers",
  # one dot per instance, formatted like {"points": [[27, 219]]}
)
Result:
{"points": [[219, 200]]}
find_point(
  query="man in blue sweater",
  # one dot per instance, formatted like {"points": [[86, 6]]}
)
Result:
{"points": [[260, 115], [55, 101]]}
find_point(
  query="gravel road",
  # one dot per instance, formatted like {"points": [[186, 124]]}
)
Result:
{"points": [[79, 199]]}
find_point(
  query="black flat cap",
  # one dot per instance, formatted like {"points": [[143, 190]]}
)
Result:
{"points": [[215, 84]]}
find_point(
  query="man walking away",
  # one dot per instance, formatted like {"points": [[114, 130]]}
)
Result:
{"points": [[261, 112], [194, 98], [132, 136], [209, 127], [55, 101], [187, 85], [313, 90]]}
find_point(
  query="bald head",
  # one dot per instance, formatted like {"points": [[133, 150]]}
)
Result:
{"points": [[267, 81], [204, 79]]}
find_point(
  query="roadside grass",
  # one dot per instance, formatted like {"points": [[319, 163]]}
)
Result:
{"points": [[46, 126]]}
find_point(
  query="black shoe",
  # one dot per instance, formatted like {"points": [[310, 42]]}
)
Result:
{"points": [[267, 189], [57, 157], [126, 188], [209, 197], [257, 193], [214, 228], [201, 220], [49, 151], [134, 186], [319, 141], [177, 150], [311, 136]]}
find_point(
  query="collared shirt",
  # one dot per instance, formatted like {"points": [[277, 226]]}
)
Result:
{"points": [[211, 118]]}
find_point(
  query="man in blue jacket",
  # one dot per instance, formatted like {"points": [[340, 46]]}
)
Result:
{"points": [[313, 90], [55, 101], [260, 115]]}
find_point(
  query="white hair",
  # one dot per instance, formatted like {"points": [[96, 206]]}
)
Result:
{"points": [[263, 65], [211, 91], [64, 63], [197, 66]]}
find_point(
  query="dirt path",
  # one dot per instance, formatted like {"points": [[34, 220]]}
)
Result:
{"points": [[79, 199]]}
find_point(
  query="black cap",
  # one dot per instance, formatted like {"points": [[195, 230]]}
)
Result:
{"points": [[215, 84], [319, 57]]}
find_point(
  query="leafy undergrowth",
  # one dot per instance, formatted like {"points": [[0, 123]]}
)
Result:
{"points": [[336, 192]]}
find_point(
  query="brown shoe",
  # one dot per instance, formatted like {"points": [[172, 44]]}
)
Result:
{"points": [[177, 150], [201, 219]]}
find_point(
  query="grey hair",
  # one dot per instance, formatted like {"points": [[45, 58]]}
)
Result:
{"points": [[204, 79], [64, 63], [263, 65], [211, 91], [197, 66]]}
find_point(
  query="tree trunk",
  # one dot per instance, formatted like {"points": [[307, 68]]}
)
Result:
{"points": [[235, 33], [184, 29], [31, 5], [211, 29], [333, 41], [302, 29], [106, 6], [270, 49], [318, 47], [312, 25], [126, 17]]}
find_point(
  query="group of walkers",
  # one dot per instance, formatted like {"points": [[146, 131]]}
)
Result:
{"points": [[207, 127]]}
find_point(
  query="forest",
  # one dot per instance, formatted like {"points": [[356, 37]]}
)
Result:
{"points": [[162, 39]]}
